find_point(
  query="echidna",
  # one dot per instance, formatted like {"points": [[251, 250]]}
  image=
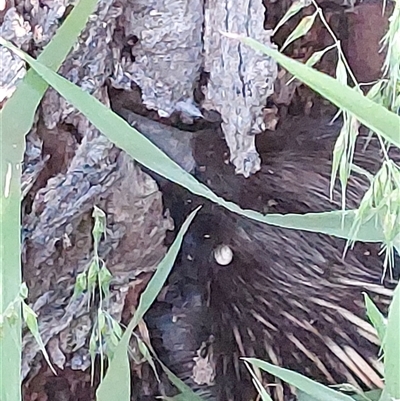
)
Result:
{"points": [[288, 297]]}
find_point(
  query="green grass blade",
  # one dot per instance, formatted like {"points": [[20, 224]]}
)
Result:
{"points": [[392, 348], [305, 397], [116, 383], [373, 395], [385, 396], [376, 318], [186, 392], [257, 384], [142, 150], [18, 112], [316, 390], [16, 119], [10, 280], [373, 115]]}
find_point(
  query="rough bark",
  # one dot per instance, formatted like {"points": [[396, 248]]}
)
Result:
{"points": [[241, 79]]}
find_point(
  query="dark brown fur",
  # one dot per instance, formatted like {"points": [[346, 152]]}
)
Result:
{"points": [[288, 297]]}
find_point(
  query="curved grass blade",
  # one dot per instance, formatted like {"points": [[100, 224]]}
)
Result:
{"points": [[376, 317], [18, 113], [301, 29], [336, 223], [316, 390], [372, 395], [296, 6], [257, 384], [306, 397], [116, 384], [186, 393], [371, 114]]}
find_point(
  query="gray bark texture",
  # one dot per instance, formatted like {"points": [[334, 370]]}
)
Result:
{"points": [[69, 167], [241, 79], [171, 42]]}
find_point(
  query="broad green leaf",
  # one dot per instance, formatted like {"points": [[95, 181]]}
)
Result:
{"points": [[318, 391], [374, 116], [116, 384], [392, 348], [146, 153]]}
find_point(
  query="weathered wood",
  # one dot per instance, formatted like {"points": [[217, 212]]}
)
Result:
{"points": [[241, 79]]}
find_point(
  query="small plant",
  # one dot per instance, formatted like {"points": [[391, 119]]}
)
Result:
{"points": [[10, 317], [96, 279]]}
